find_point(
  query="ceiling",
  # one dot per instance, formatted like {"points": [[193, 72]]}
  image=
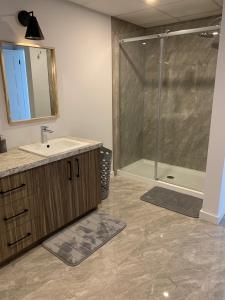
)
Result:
{"points": [[149, 13]]}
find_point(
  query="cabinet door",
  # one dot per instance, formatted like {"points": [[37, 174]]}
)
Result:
{"points": [[71, 188], [59, 207], [87, 181]]}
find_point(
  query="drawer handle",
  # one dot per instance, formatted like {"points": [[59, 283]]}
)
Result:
{"points": [[10, 244], [19, 214], [14, 189], [78, 167]]}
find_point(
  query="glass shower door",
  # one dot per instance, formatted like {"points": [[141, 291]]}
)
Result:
{"points": [[189, 66], [138, 106]]}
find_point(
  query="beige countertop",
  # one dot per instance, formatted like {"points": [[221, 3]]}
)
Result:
{"points": [[16, 160]]}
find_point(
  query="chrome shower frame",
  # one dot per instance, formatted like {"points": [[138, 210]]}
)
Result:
{"points": [[171, 33]]}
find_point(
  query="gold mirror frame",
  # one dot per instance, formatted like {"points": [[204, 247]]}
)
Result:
{"points": [[52, 85]]}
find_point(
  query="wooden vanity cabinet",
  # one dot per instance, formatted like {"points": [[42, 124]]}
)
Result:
{"points": [[73, 189], [40, 201]]}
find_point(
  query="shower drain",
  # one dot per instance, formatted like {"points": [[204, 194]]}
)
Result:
{"points": [[170, 177]]}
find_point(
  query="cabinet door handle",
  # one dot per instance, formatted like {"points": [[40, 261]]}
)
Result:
{"points": [[78, 167], [10, 244], [17, 215], [12, 190], [70, 170]]}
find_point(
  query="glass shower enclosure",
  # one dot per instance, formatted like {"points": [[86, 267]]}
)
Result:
{"points": [[166, 93]]}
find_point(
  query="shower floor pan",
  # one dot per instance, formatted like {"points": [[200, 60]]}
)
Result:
{"points": [[182, 177]]}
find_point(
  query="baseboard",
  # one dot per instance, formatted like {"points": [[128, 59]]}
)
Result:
{"points": [[210, 217]]}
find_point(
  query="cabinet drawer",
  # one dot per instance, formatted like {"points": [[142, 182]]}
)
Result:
{"points": [[16, 239], [17, 212], [12, 188]]}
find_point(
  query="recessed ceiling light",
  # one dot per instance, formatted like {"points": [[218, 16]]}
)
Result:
{"points": [[166, 294], [150, 1], [144, 43]]}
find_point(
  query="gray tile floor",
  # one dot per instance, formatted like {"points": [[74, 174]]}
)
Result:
{"points": [[160, 255]]}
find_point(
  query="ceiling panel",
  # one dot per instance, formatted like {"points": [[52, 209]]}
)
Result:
{"points": [[149, 13], [158, 3], [114, 7], [219, 2], [201, 15], [188, 8], [148, 16]]}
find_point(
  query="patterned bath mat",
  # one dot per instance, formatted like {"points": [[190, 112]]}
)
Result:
{"points": [[78, 241], [181, 203]]}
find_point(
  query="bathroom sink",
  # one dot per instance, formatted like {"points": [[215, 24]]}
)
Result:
{"points": [[54, 147]]}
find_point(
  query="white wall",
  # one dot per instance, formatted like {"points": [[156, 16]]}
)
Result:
{"points": [[82, 39], [214, 199]]}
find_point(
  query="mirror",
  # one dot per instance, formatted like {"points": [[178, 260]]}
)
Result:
{"points": [[29, 78]]}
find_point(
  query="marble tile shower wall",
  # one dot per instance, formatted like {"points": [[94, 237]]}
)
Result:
{"points": [[128, 93], [188, 85], [132, 108], [187, 95]]}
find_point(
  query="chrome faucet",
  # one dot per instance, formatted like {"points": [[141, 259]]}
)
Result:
{"points": [[44, 131]]}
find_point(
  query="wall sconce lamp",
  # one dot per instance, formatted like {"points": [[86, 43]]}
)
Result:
{"points": [[28, 20]]}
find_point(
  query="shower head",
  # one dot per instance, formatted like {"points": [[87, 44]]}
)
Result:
{"points": [[209, 35], [212, 35]]}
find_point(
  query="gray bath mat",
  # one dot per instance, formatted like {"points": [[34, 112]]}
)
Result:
{"points": [[181, 203], [78, 241]]}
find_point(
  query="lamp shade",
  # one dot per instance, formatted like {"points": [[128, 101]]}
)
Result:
{"points": [[33, 30]]}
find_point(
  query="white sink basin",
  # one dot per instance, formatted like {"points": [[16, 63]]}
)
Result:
{"points": [[54, 147]]}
